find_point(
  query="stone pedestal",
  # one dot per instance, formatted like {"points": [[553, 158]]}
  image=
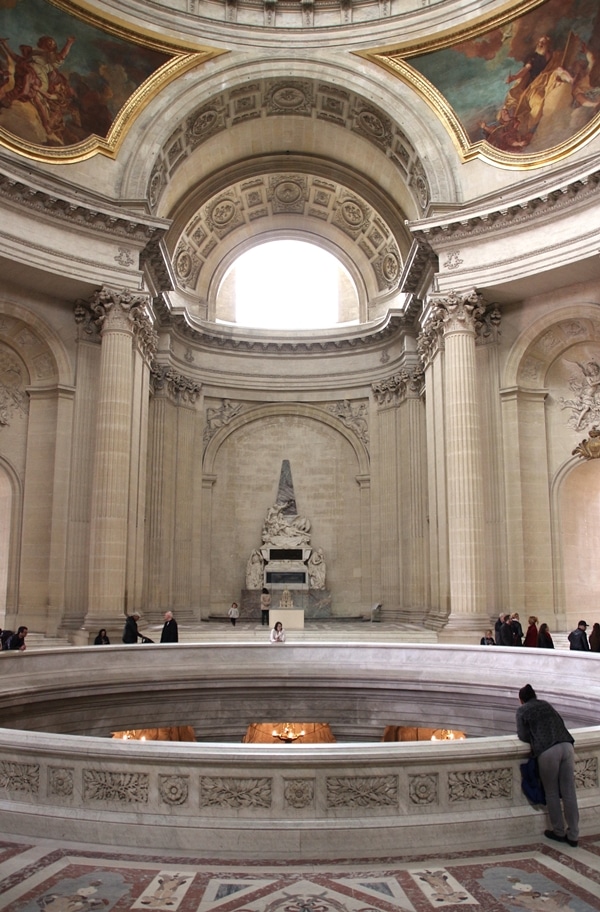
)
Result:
{"points": [[315, 603], [291, 618]]}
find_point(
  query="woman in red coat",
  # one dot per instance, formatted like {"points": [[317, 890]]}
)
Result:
{"points": [[531, 637]]}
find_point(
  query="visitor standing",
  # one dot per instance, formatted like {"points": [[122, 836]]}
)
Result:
{"points": [[102, 638], [594, 639], [545, 640], [531, 635], [505, 634], [265, 604], [234, 613], [131, 633], [170, 632], [517, 629], [541, 726], [578, 638]]}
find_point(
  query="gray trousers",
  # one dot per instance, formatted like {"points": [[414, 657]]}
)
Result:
{"points": [[557, 772]]}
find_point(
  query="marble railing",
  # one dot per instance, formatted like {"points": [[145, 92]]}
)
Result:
{"points": [[288, 801]]}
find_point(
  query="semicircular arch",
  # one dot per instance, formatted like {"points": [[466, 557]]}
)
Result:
{"points": [[38, 346], [285, 410], [537, 347]]}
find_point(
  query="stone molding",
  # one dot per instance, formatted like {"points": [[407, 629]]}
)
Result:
{"points": [[78, 212], [261, 98], [209, 336]]}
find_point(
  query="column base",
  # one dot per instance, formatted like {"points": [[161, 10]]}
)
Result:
{"points": [[466, 630]]}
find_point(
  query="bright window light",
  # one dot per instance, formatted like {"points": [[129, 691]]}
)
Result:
{"points": [[288, 285]]}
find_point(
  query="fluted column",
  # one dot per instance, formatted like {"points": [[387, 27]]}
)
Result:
{"points": [[458, 315], [121, 318]]}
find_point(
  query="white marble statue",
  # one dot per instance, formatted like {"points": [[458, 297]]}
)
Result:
{"points": [[254, 571], [316, 570], [282, 530]]}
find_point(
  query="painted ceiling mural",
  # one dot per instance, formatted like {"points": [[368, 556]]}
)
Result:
{"points": [[64, 80], [525, 85]]}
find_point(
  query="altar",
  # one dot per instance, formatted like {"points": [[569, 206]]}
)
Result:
{"points": [[291, 618]]}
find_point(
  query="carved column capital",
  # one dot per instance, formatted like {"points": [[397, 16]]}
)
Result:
{"points": [[109, 310], [458, 311], [180, 389], [399, 387]]}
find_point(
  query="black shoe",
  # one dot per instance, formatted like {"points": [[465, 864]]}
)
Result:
{"points": [[572, 842], [550, 834]]}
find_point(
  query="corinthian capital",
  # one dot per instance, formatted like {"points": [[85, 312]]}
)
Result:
{"points": [[458, 311]]}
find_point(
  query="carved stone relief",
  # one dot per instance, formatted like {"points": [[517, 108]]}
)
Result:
{"points": [[475, 785], [289, 193], [219, 416], [362, 791], [233, 792], [60, 781], [586, 773], [20, 777], [585, 404], [173, 790], [354, 417], [299, 793], [397, 388], [423, 789], [13, 396], [179, 388], [128, 788]]}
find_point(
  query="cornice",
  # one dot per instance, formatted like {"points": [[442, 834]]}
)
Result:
{"points": [[77, 212], [545, 202], [211, 336]]}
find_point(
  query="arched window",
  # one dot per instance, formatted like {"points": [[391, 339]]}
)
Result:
{"points": [[287, 285]]}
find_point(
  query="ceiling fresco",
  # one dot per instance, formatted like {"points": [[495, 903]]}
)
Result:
{"points": [[67, 82], [525, 86]]}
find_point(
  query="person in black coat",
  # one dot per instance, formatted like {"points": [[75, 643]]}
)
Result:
{"points": [[131, 633], [169, 634], [578, 638]]}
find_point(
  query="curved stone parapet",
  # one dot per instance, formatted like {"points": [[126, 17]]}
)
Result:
{"points": [[283, 801]]}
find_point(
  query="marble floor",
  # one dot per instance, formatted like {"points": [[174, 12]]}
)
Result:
{"points": [[63, 877]]}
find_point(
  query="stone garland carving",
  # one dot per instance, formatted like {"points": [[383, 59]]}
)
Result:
{"points": [[352, 417], [20, 777], [178, 387], [219, 417], [362, 791], [398, 387], [129, 788], [233, 792], [60, 781], [299, 793], [586, 773], [423, 789], [585, 406], [13, 397], [475, 785], [173, 790]]}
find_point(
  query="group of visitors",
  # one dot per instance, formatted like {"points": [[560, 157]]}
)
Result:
{"points": [[509, 632]]}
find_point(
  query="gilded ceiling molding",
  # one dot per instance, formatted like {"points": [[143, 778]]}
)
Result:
{"points": [[55, 118], [506, 86]]}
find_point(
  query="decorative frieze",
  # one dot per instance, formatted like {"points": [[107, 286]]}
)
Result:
{"points": [[362, 791], [234, 792], [173, 790], [586, 772], [299, 793], [20, 777], [423, 788], [128, 788], [478, 785]]}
